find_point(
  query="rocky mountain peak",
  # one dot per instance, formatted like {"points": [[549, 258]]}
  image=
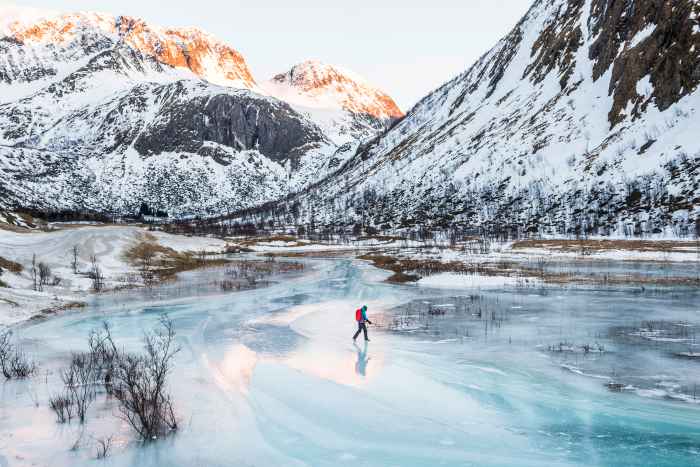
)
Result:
{"points": [[330, 85], [183, 48]]}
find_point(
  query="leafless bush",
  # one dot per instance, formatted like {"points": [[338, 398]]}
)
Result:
{"points": [[14, 362], [34, 273], [96, 274], [62, 405], [104, 355], [103, 447], [22, 365], [140, 384], [251, 279], [80, 378], [44, 275], [229, 285], [6, 350], [74, 263]]}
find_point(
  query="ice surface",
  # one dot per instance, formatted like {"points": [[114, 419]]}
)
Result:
{"points": [[271, 377]]}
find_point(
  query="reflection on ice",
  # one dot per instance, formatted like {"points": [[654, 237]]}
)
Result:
{"points": [[362, 359], [235, 370]]}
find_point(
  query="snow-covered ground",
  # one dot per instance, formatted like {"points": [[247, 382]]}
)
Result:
{"points": [[449, 280], [106, 243]]}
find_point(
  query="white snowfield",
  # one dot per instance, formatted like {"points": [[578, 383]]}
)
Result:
{"points": [[450, 280], [19, 302]]}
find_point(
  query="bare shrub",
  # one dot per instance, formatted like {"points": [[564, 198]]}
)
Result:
{"points": [[140, 384], [74, 262], [103, 447], [62, 405], [6, 350], [34, 273], [14, 362], [104, 355], [80, 378], [96, 274], [44, 275], [22, 365]]}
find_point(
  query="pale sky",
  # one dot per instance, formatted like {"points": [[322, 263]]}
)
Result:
{"points": [[405, 47]]}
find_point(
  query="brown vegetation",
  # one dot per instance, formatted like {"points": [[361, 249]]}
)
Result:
{"points": [[392, 264], [294, 242], [411, 270], [156, 262], [607, 245], [9, 265], [48, 312]]}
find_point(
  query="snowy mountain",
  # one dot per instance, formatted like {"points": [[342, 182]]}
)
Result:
{"points": [[583, 119], [106, 113], [345, 104]]}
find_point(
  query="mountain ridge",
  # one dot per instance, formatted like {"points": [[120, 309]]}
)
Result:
{"points": [[91, 102], [555, 130]]}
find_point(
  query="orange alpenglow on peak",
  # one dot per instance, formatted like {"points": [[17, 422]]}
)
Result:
{"points": [[188, 48], [319, 80]]}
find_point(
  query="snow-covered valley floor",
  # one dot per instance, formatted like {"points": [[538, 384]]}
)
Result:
{"points": [[107, 244], [457, 375]]}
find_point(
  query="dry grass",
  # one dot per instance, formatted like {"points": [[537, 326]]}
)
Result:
{"points": [[293, 241], [164, 262], [311, 254], [11, 266], [381, 238], [390, 263], [411, 270], [48, 312], [608, 245]]}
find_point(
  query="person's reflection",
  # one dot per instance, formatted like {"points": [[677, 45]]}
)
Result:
{"points": [[362, 359]]}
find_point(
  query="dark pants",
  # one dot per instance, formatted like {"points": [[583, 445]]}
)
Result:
{"points": [[360, 328]]}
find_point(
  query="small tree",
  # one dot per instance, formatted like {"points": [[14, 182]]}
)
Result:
{"points": [[34, 273], [96, 274], [44, 275], [74, 262]]}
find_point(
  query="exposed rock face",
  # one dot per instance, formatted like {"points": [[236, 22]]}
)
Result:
{"points": [[582, 120], [655, 38], [240, 122]]}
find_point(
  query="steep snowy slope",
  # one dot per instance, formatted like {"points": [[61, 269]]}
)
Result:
{"points": [[105, 113], [582, 119]]}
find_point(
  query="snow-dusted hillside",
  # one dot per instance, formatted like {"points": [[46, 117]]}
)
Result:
{"points": [[583, 119], [106, 113]]}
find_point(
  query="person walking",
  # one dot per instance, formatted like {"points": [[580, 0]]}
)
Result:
{"points": [[361, 318]]}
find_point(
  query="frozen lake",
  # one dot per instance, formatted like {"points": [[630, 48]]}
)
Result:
{"points": [[473, 377]]}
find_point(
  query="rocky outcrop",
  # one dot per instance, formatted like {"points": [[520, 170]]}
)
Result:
{"points": [[240, 121], [658, 39]]}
